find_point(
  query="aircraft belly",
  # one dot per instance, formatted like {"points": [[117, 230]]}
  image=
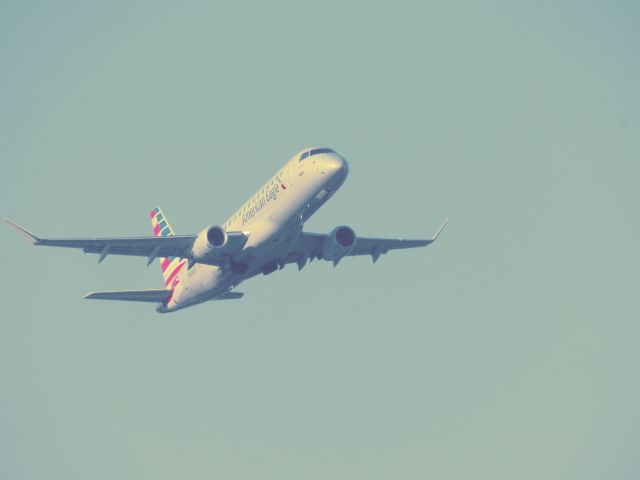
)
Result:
{"points": [[269, 242], [201, 283]]}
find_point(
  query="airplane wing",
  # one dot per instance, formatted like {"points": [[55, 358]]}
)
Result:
{"points": [[150, 247], [310, 246]]}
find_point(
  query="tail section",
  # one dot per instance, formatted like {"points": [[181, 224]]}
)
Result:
{"points": [[171, 266]]}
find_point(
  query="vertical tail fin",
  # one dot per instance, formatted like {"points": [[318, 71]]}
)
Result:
{"points": [[170, 265]]}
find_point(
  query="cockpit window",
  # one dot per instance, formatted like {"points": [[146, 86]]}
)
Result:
{"points": [[317, 151]]}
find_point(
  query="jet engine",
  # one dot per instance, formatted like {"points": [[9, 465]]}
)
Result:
{"points": [[339, 242], [207, 242]]}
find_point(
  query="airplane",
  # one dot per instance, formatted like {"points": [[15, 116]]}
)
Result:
{"points": [[262, 236]]}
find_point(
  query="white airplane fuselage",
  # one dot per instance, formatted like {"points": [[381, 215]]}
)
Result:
{"points": [[272, 219]]}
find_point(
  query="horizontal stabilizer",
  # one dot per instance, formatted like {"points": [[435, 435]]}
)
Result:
{"points": [[153, 296], [230, 296]]}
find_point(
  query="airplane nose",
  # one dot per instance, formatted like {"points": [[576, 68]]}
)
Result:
{"points": [[335, 163]]}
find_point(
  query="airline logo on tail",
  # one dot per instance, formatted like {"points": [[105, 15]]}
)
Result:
{"points": [[171, 266]]}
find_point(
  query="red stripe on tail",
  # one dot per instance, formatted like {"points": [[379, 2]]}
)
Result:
{"points": [[174, 273]]}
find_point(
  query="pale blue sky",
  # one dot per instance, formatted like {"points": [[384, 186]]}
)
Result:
{"points": [[506, 350]]}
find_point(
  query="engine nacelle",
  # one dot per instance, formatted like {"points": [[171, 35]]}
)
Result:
{"points": [[207, 242], [339, 242]]}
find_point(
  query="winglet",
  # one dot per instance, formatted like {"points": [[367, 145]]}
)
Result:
{"points": [[24, 233], [435, 235]]}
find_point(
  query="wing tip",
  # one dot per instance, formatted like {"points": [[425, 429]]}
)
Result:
{"points": [[23, 232], [435, 235]]}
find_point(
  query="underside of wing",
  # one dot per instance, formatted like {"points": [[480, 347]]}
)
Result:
{"points": [[194, 247], [314, 245], [152, 247], [368, 246]]}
